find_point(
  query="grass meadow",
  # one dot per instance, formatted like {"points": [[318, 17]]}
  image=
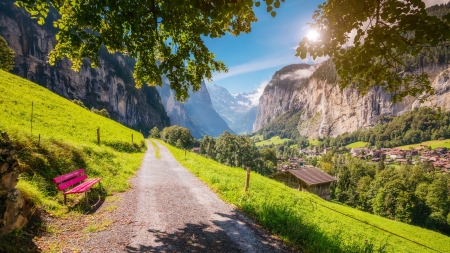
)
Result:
{"points": [[434, 144], [306, 221], [358, 144], [68, 141], [274, 140]]}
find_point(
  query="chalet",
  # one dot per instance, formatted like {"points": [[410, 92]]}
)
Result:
{"points": [[196, 150], [441, 150], [307, 178], [359, 151]]}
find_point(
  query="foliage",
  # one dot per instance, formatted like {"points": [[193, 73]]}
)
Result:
{"points": [[179, 136], [409, 194], [79, 103], [164, 36], [304, 220], [238, 151], [154, 133], [284, 126], [102, 112], [6, 55], [68, 141], [387, 32]]}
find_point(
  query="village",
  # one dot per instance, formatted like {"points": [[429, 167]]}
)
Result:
{"points": [[297, 174]]}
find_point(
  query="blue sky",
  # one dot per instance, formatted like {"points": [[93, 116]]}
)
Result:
{"points": [[253, 58]]}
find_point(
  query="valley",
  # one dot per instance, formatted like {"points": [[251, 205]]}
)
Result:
{"points": [[196, 156]]}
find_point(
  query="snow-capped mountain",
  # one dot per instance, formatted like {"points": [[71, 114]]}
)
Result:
{"points": [[238, 110]]}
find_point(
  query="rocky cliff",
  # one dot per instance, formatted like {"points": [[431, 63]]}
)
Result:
{"points": [[326, 110], [13, 211], [197, 113], [109, 87]]}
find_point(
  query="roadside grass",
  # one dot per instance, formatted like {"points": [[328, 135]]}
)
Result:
{"points": [[434, 144], [157, 150], [274, 140], [358, 144], [68, 141], [304, 220]]}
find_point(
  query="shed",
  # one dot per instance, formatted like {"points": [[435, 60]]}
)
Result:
{"points": [[307, 178]]}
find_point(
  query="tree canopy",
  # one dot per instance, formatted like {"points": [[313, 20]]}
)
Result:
{"points": [[6, 55], [164, 36], [371, 41]]}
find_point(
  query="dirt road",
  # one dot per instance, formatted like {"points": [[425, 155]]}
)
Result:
{"points": [[170, 210]]}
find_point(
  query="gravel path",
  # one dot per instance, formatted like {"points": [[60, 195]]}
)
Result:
{"points": [[170, 210]]}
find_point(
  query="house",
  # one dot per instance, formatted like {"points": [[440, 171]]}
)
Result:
{"points": [[307, 178], [196, 150]]}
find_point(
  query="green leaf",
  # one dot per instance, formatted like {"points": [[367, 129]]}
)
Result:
{"points": [[257, 4], [277, 4], [269, 8], [273, 14]]}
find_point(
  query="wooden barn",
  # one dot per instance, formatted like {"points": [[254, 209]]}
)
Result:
{"points": [[307, 178]]}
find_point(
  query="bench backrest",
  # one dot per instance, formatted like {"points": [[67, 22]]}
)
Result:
{"points": [[69, 179]]}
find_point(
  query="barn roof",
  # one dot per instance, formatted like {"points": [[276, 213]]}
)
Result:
{"points": [[312, 175]]}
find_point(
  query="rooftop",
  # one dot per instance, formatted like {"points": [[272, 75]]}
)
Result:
{"points": [[312, 175]]}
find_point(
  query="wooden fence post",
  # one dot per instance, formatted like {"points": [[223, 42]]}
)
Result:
{"points": [[131, 138], [247, 179], [39, 140], [98, 136], [32, 107]]}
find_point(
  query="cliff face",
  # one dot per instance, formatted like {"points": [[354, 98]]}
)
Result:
{"points": [[328, 111], [109, 87], [197, 113]]}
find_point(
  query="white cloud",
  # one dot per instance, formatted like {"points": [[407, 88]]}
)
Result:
{"points": [[252, 67], [429, 3], [254, 96], [301, 73]]}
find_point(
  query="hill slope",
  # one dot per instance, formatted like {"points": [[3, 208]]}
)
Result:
{"points": [[68, 141], [110, 87]]}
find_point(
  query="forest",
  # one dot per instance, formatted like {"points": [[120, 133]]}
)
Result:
{"points": [[417, 195]]}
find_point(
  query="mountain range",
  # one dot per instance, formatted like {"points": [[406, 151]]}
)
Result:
{"points": [[238, 110]]}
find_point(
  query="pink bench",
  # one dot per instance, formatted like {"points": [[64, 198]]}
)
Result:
{"points": [[75, 179]]}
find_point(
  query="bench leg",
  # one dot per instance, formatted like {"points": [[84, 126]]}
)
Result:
{"points": [[65, 199], [86, 197]]}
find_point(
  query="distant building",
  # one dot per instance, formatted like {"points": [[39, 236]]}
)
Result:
{"points": [[307, 178], [196, 150]]}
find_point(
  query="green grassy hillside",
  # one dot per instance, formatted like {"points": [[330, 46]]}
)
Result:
{"points": [[358, 144], [68, 142], [306, 221], [433, 144], [274, 140]]}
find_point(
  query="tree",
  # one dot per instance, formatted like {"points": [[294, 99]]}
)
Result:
{"points": [[6, 55], [154, 133], [370, 42], [165, 36], [177, 136], [269, 154]]}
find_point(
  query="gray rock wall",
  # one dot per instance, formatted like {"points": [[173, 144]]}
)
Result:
{"points": [[329, 111], [12, 214]]}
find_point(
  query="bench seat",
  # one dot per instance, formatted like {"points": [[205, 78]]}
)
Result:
{"points": [[76, 182], [85, 186]]}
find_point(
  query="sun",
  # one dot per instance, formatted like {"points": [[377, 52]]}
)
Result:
{"points": [[312, 35]]}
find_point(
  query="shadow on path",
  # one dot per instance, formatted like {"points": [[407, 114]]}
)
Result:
{"points": [[207, 238]]}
